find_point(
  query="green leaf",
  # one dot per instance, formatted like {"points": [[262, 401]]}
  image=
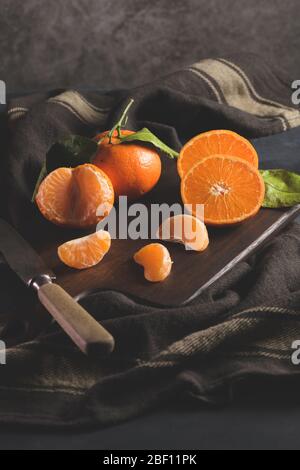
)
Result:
{"points": [[282, 188], [42, 175], [144, 135], [69, 152]]}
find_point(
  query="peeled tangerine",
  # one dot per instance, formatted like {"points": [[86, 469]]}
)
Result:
{"points": [[76, 197], [85, 252], [156, 260], [185, 229]]}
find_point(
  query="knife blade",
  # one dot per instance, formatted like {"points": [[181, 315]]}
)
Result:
{"points": [[81, 327], [20, 256]]}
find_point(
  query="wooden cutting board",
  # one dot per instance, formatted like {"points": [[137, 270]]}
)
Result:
{"points": [[192, 272]]}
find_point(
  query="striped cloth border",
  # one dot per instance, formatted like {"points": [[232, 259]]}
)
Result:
{"points": [[237, 326], [231, 86], [228, 82]]}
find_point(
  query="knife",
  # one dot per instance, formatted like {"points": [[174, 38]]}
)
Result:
{"points": [[81, 327]]}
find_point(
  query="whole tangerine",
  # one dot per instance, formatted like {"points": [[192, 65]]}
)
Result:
{"points": [[132, 168]]}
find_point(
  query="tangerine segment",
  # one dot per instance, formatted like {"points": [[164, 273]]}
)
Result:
{"points": [[85, 252], [156, 260], [132, 168], [216, 142], [185, 229], [71, 197], [231, 189]]}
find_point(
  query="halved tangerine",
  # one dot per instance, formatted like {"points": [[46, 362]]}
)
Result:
{"points": [[76, 197], [85, 252], [156, 261], [230, 189], [222, 142]]}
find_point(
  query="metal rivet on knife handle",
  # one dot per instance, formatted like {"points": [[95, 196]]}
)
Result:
{"points": [[82, 328]]}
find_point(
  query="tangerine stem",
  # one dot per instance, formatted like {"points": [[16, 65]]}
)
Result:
{"points": [[122, 121]]}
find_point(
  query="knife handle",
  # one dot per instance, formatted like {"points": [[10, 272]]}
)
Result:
{"points": [[79, 325]]}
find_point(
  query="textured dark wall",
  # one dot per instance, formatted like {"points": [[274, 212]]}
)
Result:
{"points": [[120, 43]]}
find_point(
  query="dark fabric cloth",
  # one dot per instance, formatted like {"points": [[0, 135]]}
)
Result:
{"points": [[236, 336]]}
